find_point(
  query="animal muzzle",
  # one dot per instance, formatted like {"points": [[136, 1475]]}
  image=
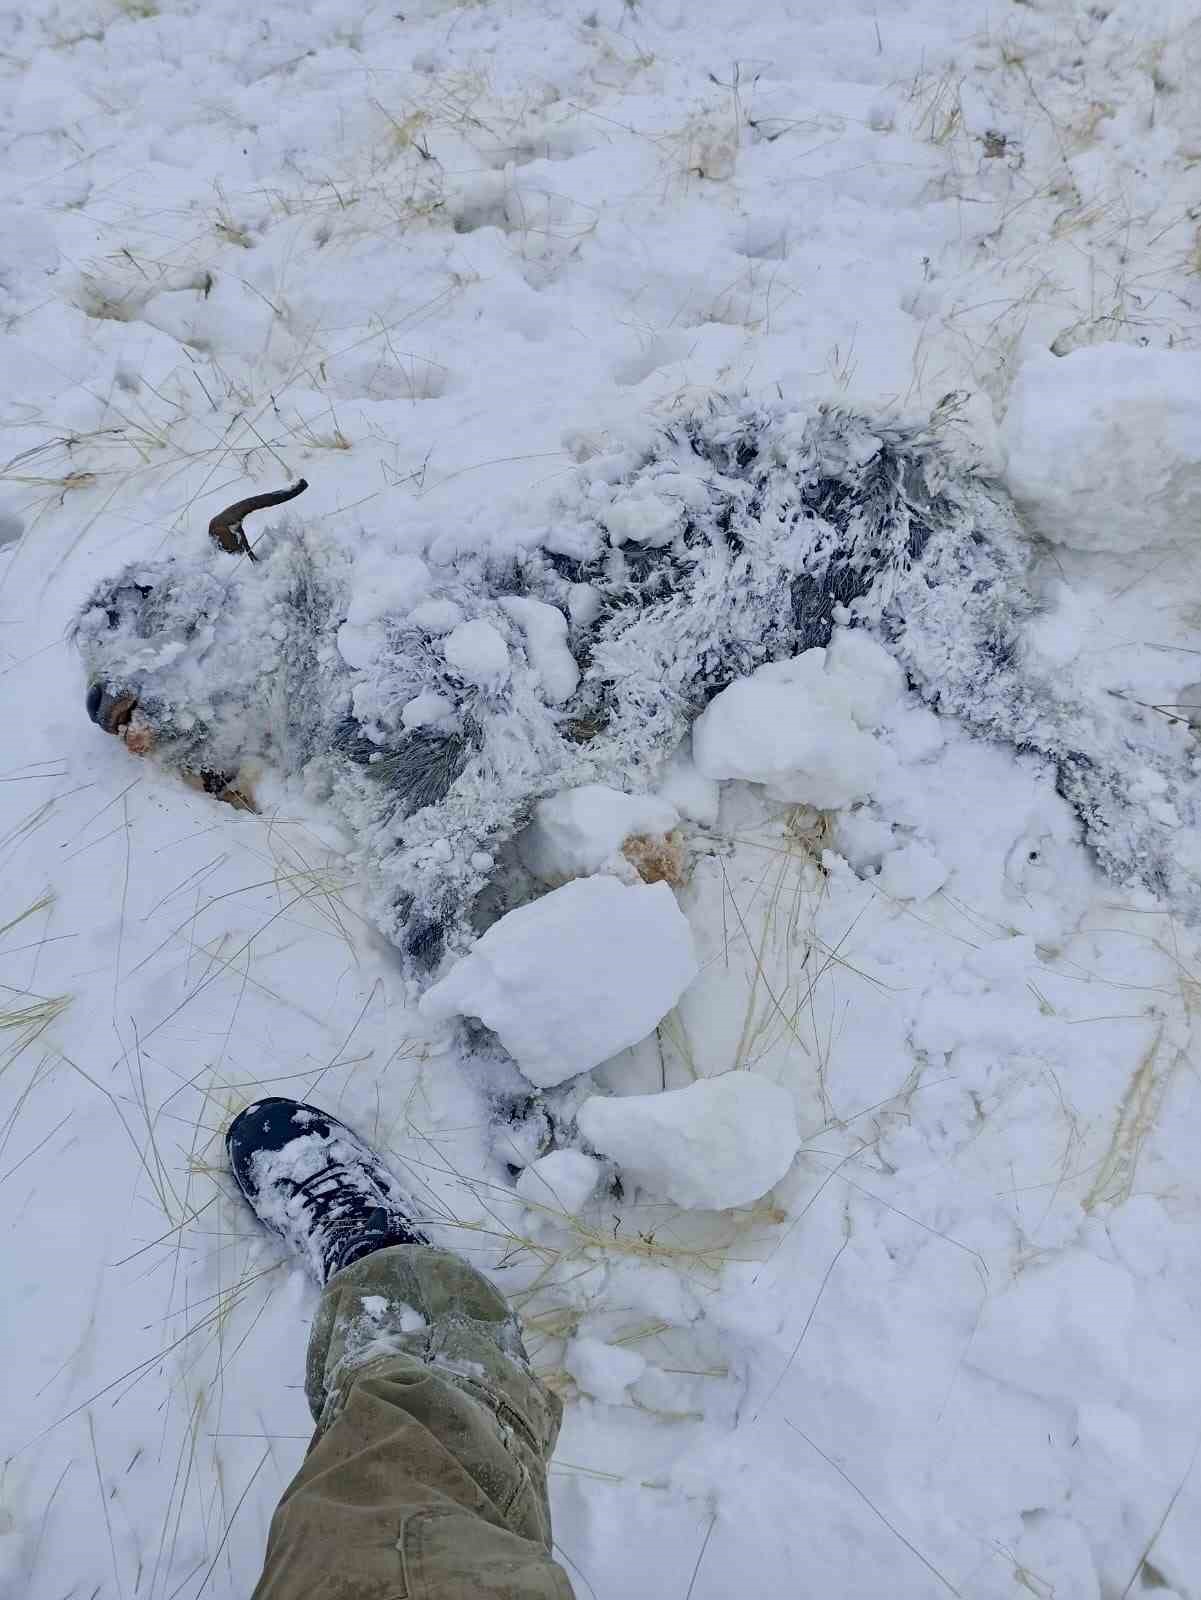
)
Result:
{"points": [[112, 712]]}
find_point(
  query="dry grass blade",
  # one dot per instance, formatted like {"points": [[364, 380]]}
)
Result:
{"points": [[701, 1556], [875, 1510], [37, 1012], [42, 904], [817, 1299], [1162, 1523], [108, 1525], [263, 1459]]}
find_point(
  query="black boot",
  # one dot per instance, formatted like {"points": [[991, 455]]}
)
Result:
{"points": [[312, 1180]]}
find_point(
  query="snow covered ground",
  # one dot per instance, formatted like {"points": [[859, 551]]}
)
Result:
{"points": [[432, 258]]}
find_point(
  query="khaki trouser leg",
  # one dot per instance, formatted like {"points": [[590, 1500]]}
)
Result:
{"points": [[426, 1478]]}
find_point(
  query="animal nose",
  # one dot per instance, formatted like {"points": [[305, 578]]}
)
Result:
{"points": [[109, 711]]}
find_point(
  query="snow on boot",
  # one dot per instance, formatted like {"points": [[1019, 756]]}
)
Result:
{"points": [[311, 1180]]}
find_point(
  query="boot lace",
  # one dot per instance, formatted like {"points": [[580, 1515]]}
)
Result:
{"points": [[333, 1191]]}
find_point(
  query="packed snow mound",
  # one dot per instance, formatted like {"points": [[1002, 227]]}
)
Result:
{"points": [[685, 787], [477, 651], [1105, 446], [912, 872], [720, 1142], [562, 1180], [800, 727], [435, 721], [546, 645], [605, 1371], [572, 978], [1062, 1330], [580, 831]]}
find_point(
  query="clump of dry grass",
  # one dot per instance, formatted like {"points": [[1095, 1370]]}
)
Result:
{"points": [[25, 1015]]}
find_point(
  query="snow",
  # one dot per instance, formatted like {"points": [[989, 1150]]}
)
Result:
{"points": [[718, 1143], [582, 830], [912, 873], [1104, 445], [572, 978], [1062, 1332], [385, 581], [398, 1315], [478, 652], [562, 1181], [645, 518], [799, 727], [546, 641], [436, 616], [604, 1371], [425, 709], [685, 788], [1189, 705], [460, 265]]}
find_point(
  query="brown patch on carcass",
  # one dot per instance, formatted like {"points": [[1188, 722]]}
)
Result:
{"points": [[584, 729], [237, 791], [657, 857], [138, 736]]}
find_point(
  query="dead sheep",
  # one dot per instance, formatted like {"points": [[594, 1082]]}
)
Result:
{"points": [[731, 537]]}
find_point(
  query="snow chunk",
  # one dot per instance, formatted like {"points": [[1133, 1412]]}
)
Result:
{"points": [[912, 873], [1189, 705], [798, 726], [694, 796], [644, 517], [584, 604], [571, 979], [869, 680], [478, 652], [358, 647], [425, 708], [1105, 445], [397, 1315], [561, 1181], [576, 832], [1058, 631], [602, 1370], [1061, 1331], [864, 838], [718, 1143], [436, 616], [546, 645], [384, 584]]}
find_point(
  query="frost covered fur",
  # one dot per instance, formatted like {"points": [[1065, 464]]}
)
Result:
{"points": [[727, 539]]}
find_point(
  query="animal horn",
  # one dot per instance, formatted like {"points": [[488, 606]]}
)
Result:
{"points": [[225, 530]]}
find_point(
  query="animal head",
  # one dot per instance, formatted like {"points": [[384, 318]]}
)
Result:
{"points": [[181, 654], [143, 635]]}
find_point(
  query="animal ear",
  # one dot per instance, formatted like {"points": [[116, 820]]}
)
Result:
{"points": [[225, 530]]}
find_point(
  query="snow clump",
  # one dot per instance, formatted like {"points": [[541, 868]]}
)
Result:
{"points": [[546, 644], [720, 1142], [1105, 446], [476, 650], [800, 727], [582, 830], [572, 978], [912, 873], [605, 1371], [562, 1180]]}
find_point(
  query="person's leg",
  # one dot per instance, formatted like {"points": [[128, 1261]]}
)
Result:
{"points": [[426, 1477]]}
